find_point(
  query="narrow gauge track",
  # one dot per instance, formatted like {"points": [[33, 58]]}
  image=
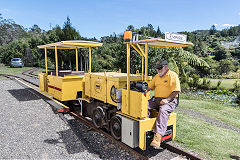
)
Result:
{"points": [[29, 72], [87, 122]]}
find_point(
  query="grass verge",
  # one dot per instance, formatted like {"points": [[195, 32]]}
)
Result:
{"points": [[226, 83], [12, 71], [214, 109], [206, 139]]}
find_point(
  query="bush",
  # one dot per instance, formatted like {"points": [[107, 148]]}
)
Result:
{"points": [[221, 92], [238, 97], [184, 87], [225, 66], [218, 84], [236, 86], [194, 81], [206, 84]]}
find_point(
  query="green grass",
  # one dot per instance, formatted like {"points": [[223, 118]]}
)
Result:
{"points": [[206, 139], [213, 109], [12, 71], [226, 83]]}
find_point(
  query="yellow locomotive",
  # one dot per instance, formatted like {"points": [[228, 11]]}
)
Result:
{"points": [[115, 101]]}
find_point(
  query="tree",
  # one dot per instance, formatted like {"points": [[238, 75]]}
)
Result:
{"points": [[36, 29], [221, 53], [69, 32], [158, 33], [9, 30], [130, 28], [225, 66], [213, 30]]}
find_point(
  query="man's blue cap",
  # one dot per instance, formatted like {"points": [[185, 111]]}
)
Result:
{"points": [[161, 64]]}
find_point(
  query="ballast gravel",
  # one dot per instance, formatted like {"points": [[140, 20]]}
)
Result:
{"points": [[30, 130]]}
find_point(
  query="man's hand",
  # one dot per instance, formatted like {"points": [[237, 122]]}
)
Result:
{"points": [[164, 101], [149, 89]]}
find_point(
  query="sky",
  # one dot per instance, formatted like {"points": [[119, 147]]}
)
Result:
{"points": [[98, 18]]}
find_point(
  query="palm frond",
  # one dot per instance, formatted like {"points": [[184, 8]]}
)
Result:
{"points": [[192, 59]]}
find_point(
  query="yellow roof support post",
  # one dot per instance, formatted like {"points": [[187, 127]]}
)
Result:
{"points": [[76, 59], [137, 50], [142, 67], [146, 61], [56, 60], [128, 75], [140, 48], [142, 54], [90, 59], [46, 67]]}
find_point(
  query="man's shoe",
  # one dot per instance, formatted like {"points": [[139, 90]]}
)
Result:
{"points": [[156, 141]]}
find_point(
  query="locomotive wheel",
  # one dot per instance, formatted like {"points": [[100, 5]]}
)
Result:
{"points": [[115, 127], [98, 117]]}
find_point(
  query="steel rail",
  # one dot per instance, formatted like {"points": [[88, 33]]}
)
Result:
{"points": [[180, 151]]}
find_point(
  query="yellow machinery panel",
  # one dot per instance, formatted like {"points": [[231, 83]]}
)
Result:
{"points": [[117, 83], [138, 104], [42, 77], [148, 124], [98, 85], [65, 88]]}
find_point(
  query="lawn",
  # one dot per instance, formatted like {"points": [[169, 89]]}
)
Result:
{"points": [[226, 83], [208, 140], [213, 109], [12, 71], [204, 138]]}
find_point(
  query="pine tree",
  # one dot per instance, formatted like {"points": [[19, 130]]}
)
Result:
{"points": [[212, 30]]}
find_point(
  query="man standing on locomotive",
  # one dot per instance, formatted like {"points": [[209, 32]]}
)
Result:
{"points": [[167, 87]]}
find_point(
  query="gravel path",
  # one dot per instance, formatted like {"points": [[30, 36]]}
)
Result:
{"points": [[30, 130]]}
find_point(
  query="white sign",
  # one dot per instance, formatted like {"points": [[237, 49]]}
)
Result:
{"points": [[175, 37]]}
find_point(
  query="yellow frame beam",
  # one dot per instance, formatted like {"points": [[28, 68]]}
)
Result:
{"points": [[90, 59], [146, 61], [63, 47], [143, 56], [56, 60], [128, 75], [46, 66], [142, 67], [140, 48], [81, 44], [76, 59]]}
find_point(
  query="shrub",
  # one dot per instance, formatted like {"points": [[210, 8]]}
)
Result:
{"points": [[236, 86], [221, 92], [194, 81], [184, 87], [218, 84], [238, 97], [206, 84]]}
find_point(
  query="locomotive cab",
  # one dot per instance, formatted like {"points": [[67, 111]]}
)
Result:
{"points": [[134, 107]]}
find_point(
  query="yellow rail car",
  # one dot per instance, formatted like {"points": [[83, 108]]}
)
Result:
{"points": [[115, 101], [64, 85]]}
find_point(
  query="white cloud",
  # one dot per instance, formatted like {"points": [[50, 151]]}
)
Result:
{"points": [[215, 24], [228, 25], [4, 10]]}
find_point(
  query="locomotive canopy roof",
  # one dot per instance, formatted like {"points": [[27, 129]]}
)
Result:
{"points": [[157, 42], [71, 44]]}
